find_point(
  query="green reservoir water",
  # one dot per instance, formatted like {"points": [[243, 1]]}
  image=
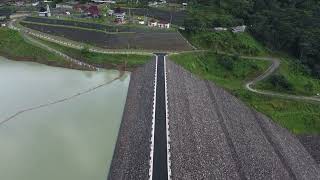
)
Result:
{"points": [[71, 140]]}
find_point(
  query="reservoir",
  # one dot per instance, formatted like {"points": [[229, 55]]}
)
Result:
{"points": [[58, 123]]}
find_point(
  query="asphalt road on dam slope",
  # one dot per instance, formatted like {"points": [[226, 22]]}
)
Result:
{"points": [[160, 168]]}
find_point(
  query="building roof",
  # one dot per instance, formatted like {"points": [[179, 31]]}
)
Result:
{"points": [[153, 21], [163, 22], [80, 6], [93, 10], [42, 9], [118, 10]]}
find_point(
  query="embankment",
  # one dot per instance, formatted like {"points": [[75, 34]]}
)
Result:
{"points": [[132, 151]]}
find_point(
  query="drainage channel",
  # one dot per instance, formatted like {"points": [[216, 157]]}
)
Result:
{"points": [[160, 155]]}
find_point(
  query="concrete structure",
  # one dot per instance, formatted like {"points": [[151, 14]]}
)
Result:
{"points": [[64, 6], [220, 29], [104, 1]]}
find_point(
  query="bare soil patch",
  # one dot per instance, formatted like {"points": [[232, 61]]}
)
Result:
{"points": [[176, 17]]}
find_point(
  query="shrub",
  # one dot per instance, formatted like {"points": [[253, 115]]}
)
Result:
{"points": [[226, 62], [308, 87], [279, 81], [85, 51]]}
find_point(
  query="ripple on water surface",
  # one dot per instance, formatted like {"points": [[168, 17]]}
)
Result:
{"points": [[69, 140]]}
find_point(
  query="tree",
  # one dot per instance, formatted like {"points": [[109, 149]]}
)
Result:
{"points": [[227, 62]]}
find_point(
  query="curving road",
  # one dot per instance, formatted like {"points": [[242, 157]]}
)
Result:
{"points": [[275, 63]]}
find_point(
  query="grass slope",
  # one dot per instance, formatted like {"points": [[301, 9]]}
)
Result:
{"points": [[209, 66], [302, 82], [298, 117], [130, 61], [13, 46]]}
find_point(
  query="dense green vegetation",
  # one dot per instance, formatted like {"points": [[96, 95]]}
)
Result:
{"points": [[127, 61], [292, 26], [200, 24], [297, 116], [13, 46], [291, 78], [289, 25], [226, 41], [231, 72]]}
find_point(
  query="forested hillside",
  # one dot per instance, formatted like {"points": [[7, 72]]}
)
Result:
{"points": [[288, 25]]}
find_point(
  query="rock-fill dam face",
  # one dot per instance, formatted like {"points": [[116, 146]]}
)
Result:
{"points": [[213, 135]]}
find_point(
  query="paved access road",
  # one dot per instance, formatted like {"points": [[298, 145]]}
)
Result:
{"points": [[142, 147], [159, 166]]}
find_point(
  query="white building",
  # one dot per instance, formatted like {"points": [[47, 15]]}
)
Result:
{"points": [[153, 23], [104, 1], [239, 29], [35, 3], [141, 22], [220, 29], [164, 24], [154, 3], [45, 12], [64, 6], [110, 12]]}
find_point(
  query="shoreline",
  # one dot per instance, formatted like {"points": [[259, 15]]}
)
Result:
{"points": [[67, 65]]}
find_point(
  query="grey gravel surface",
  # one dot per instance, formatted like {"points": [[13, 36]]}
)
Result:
{"points": [[216, 136], [199, 149], [132, 151], [213, 134], [312, 144]]}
